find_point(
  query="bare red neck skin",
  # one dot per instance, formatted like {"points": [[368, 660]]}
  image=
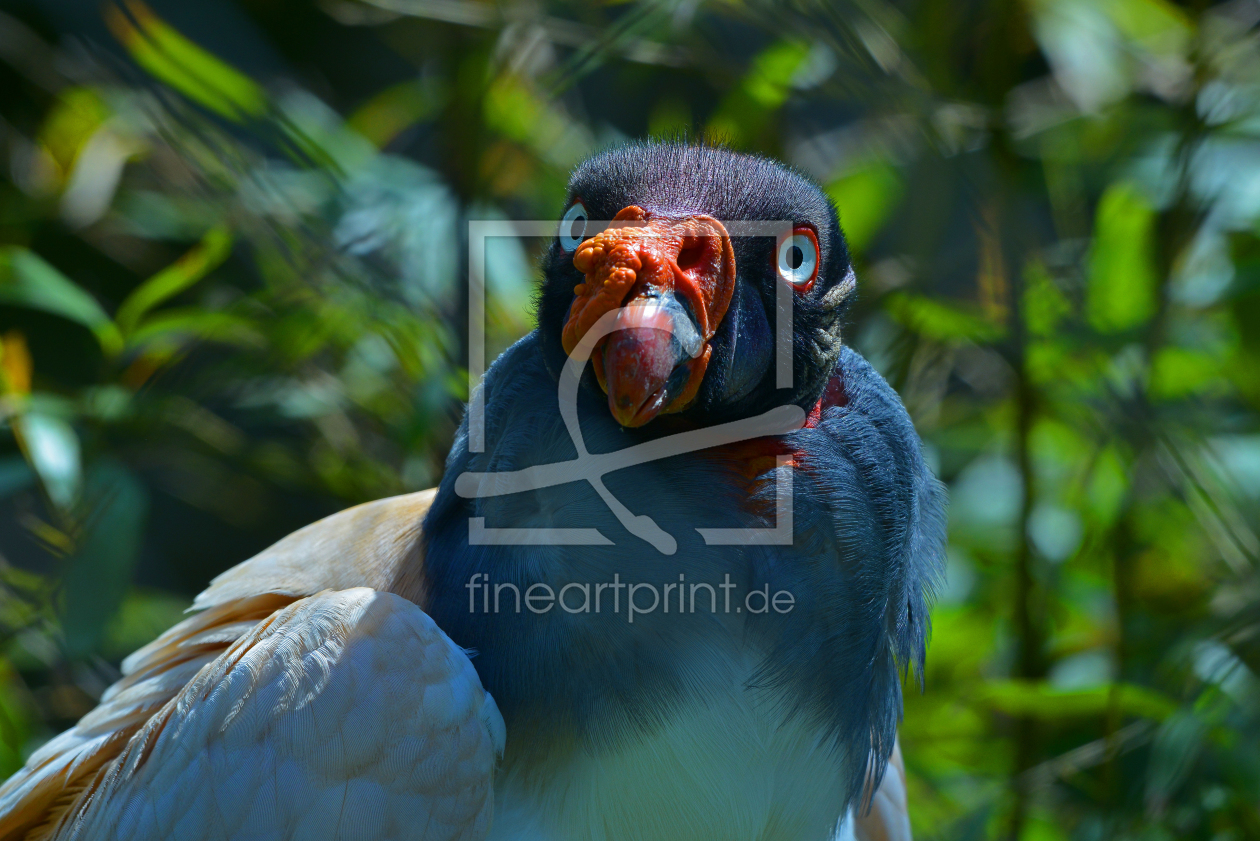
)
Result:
{"points": [[752, 458], [833, 395]]}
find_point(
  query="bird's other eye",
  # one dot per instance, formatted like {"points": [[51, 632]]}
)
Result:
{"points": [[573, 226], [798, 258]]}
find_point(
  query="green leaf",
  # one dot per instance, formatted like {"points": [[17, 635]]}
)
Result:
{"points": [[1044, 825], [1122, 277], [26, 280], [186, 67], [770, 78], [746, 110], [1107, 486], [1038, 699], [213, 249], [52, 449], [141, 618], [865, 199], [15, 722], [518, 112], [1157, 25], [99, 572], [1045, 305], [177, 326], [1180, 372], [77, 115], [941, 320], [388, 113]]}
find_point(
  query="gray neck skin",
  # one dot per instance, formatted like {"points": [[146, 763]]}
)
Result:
{"points": [[867, 552]]}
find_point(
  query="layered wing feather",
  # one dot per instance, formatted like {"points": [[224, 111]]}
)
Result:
{"points": [[347, 715], [375, 545]]}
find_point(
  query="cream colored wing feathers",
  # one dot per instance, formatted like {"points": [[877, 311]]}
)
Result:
{"points": [[347, 715], [375, 545]]}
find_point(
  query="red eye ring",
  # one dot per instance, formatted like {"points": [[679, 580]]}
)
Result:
{"points": [[797, 258]]}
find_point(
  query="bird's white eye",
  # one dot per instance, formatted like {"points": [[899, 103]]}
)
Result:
{"points": [[573, 226], [798, 259]]}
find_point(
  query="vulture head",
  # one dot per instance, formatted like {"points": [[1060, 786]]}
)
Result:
{"points": [[660, 234]]}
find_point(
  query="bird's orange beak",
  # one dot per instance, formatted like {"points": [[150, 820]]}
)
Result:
{"points": [[673, 282]]}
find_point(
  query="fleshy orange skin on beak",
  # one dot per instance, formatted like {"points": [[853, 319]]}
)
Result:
{"points": [[635, 264]]}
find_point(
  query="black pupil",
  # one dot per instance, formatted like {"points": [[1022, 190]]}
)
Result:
{"points": [[795, 257], [578, 227]]}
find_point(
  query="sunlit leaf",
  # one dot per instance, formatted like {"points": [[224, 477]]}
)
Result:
{"points": [[1107, 486], [770, 78], [1239, 460], [399, 106], [1157, 25], [143, 615], [1045, 305], [865, 199], [1045, 826], [400, 212], [177, 61], [1083, 49], [1040, 700], [213, 249], [1122, 280], [78, 113], [765, 87], [15, 363], [321, 142], [1180, 372], [942, 320], [26, 280], [176, 326], [51, 446], [516, 111], [95, 177]]}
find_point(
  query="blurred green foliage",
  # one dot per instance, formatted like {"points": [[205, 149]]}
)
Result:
{"points": [[232, 300]]}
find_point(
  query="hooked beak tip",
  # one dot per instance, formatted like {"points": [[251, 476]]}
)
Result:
{"points": [[628, 414], [638, 366]]}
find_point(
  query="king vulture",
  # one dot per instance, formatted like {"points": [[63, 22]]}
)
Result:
{"points": [[679, 563]]}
